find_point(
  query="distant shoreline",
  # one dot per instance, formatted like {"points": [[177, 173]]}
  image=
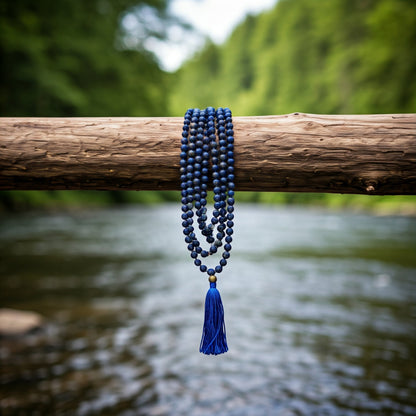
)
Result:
{"points": [[25, 201]]}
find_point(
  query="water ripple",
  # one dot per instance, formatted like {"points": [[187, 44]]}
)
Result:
{"points": [[320, 314]]}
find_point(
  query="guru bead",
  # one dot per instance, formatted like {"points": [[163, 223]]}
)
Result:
{"points": [[212, 279]]}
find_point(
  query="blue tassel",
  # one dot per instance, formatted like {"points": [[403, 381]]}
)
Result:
{"points": [[214, 339]]}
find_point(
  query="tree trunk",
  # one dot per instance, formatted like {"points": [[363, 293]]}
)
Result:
{"points": [[361, 154]]}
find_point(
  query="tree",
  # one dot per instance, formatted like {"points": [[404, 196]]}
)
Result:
{"points": [[327, 56], [69, 58]]}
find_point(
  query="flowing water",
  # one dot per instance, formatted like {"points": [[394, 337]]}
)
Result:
{"points": [[320, 311]]}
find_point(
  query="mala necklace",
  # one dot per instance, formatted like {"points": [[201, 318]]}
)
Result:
{"points": [[207, 152]]}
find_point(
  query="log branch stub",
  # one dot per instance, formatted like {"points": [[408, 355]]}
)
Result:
{"points": [[360, 154]]}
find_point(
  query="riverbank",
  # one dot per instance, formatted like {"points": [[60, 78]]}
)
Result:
{"points": [[20, 201]]}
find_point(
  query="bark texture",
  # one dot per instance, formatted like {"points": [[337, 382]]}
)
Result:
{"points": [[362, 154]]}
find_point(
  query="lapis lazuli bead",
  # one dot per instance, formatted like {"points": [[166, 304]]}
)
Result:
{"points": [[207, 154]]}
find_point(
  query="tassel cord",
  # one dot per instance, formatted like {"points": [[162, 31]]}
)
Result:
{"points": [[214, 334]]}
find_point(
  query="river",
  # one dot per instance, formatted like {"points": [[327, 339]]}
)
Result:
{"points": [[320, 310]]}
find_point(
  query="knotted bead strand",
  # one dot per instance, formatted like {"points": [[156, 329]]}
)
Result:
{"points": [[207, 149]]}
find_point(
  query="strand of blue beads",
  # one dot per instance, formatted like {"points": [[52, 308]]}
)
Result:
{"points": [[207, 153], [200, 152]]}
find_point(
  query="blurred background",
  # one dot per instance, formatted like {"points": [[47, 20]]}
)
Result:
{"points": [[320, 292]]}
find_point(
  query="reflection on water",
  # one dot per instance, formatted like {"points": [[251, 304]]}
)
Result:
{"points": [[320, 313]]}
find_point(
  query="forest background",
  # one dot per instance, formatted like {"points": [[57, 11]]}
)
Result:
{"points": [[80, 58]]}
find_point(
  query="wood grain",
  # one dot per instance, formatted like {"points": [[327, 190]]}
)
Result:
{"points": [[361, 154]]}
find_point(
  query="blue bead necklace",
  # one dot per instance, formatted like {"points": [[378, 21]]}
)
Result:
{"points": [[207, 152]]}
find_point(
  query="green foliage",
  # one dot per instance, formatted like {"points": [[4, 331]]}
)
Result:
{"points": [[67, 58], [62, 200], [327, 56], [380, 205], [24, 200]]}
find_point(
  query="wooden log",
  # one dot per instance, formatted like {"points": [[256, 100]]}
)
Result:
{"points": [[361, 154]]}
